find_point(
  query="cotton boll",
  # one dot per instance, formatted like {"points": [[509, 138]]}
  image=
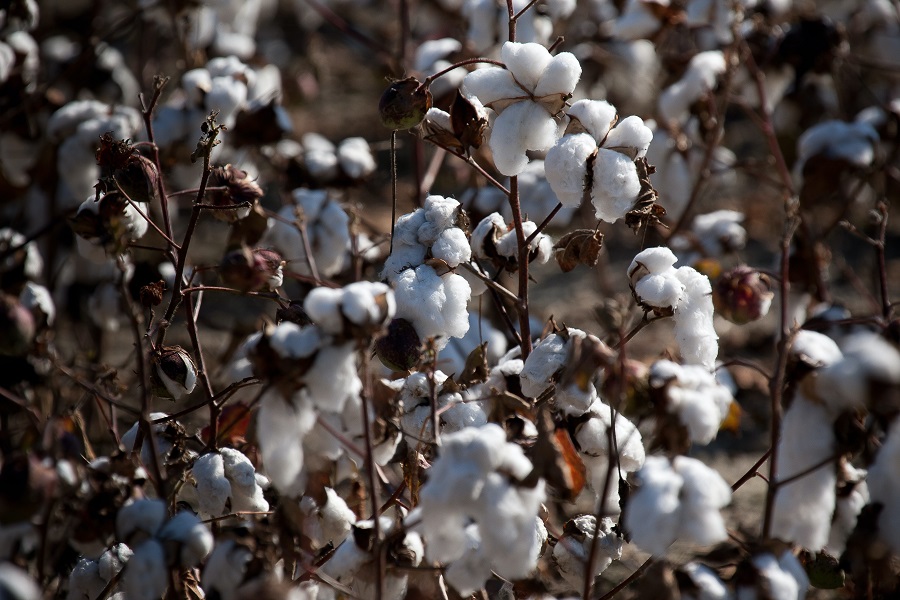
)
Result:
{"points": [[615, 185], [720, 231], [781, 578], [596, 116], [852, 142], [472, 569], [323, 305], [439, 214], [659, 291], [113, 561], [431, 51], [694, 327], [509, 533], [355, 157], [573, 549], [867, 359], [653, 260], [247, 494], [147, 575], [85, 582], [333, 378], [884, 487], [288, 340], [283, 423], [543, 363], [368, 304], [225, 569], [436, 306], [694, 394], [630, 137], [526, 62], [560, 76], [213, 489], [141, 518], [37, 299], [521, 127], [593, 439], [653, 511], [452, 247], [847, 509], [193, 537], [491, 85], [636, 21], [815, 349], [698, 79], [677, 499], [707, 583], [804, 507], [227, 95]]}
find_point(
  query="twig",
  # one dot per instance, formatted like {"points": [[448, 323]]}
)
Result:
{"points": [[751, 472], [522, 300], [544, 223], [147, 112]]}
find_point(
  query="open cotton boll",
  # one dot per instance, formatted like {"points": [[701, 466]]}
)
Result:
{"points": [[547, 358], [676, 499], [526, 62], [436, 306], [333, 377], [140, 518], [781, 578], [367, 303], [848, 507], [452, 247], [698, 79], [694, 329], [439, 214], [521, 127], [225, 569], [630, 136], [247, 494], [226, 95], [803, 508], [815, 349], [85, 582], [193, 538], [147, 575], [113, 561], [884, 487], [468, 573], [616, 185], [707, 583], [213, 489], [652, 260], [330, 522], [323, 305], [573, 549], [593, 439], [852, 142], [355, 157], [163, 445], [694, 394], [596, 116], [720, 231], [289, 340], [867, 358], [283, 423]]}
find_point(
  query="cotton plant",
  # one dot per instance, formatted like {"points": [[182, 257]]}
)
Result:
{"points": [[526, 95], [694, 395], [677, 498], [455, 413], [476, 480], [596, 159]]}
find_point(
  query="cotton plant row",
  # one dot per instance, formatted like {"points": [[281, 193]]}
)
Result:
{"points": [[377, 446]]}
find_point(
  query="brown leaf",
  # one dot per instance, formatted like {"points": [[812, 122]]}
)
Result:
{"points": [[476, 367], [586, 356], [579, 247], [645, 211], [555, 459]]}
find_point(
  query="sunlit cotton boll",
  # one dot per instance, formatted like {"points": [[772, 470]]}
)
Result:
{"points": [[435, 305], [694, 394], [283, 423], [675, 499], [522, 123]]}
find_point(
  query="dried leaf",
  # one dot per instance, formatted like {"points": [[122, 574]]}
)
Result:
{"points": [[586, 356], [476, 367], [579, 247], [645, 211], [555, 459], [732, 420]]}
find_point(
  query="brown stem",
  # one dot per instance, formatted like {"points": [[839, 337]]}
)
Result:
{"points": [[544, 223], [147, 112], [751, 472], [214, 409], [462, 63], [522, 301]]}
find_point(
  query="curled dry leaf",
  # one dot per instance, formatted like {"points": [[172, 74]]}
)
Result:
{"points": [[579, 247], [645, 211]]}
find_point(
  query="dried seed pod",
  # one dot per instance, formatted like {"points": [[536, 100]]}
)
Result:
{"points": [[174, 374], [742, 295]]}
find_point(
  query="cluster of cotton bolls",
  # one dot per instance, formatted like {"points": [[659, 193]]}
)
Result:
{"points": [[475, 515], [455, 412], [327, 163], [157, 544], [316, 373], [225, 482], [676, 498], [434, 302], [683, 292], [89, 577], [327, 231]]}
